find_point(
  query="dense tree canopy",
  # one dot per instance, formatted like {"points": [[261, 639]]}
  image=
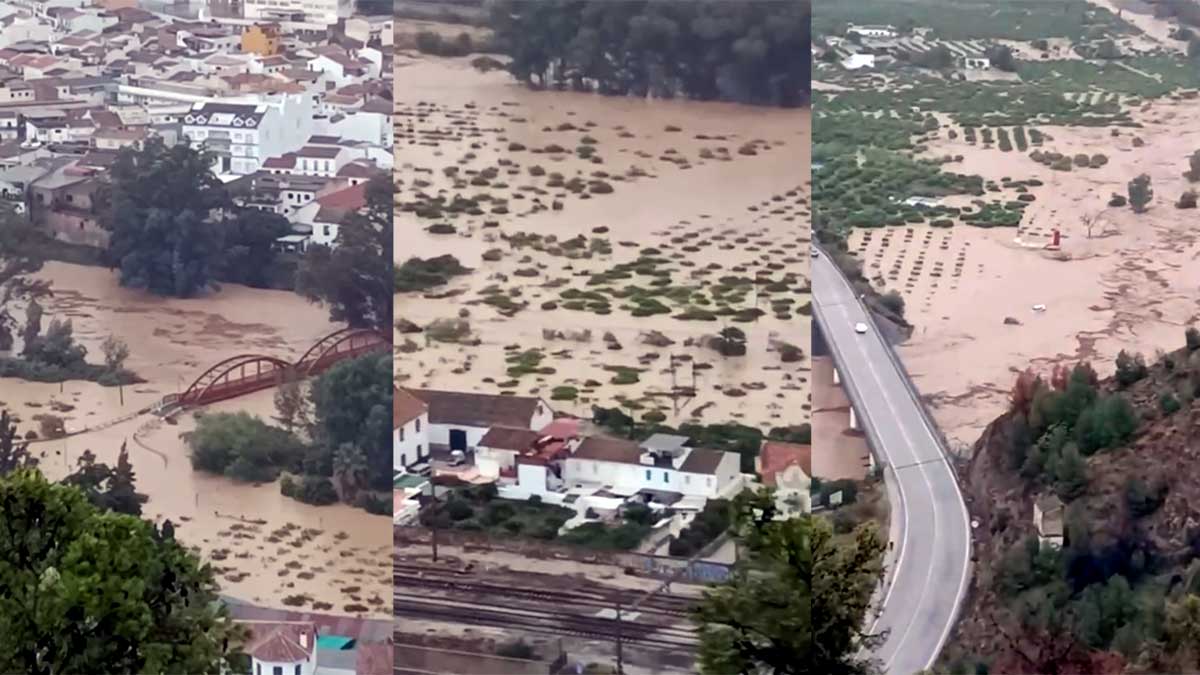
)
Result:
{"points": [[88, 591], [355, 278], [175, 227], [17, 261], [796, 603], [744, 51], [163, 208], [353, 416]]}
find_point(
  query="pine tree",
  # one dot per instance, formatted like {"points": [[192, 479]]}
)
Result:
{"points": [[1072, 477], [122, 495]]}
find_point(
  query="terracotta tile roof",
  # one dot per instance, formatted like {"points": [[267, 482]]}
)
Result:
{"points": [[286, 161], [281, 642], [606, 449], [476, 410], [347, 199], [406, 408], [777, 456], [319, 152], [509, 438], [356, 170], [700, 460]]}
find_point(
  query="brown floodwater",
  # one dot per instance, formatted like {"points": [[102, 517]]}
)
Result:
{"points": [[172, 341], [712, 213]]}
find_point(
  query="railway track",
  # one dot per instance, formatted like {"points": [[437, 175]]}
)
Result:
{"points": [[547, 622], [666, 605]]}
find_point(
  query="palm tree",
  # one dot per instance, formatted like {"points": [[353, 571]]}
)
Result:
{"points": [[349, 469]]}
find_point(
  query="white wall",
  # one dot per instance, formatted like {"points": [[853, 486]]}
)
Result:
{"points": [[284, 128], [415, 445], [532, 478], [361, 126], [637, 476], [490, 461], [540, 421], [439, 434], [268, 667]]}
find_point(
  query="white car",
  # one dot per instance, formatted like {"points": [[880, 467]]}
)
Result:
{"points": [[815, 253], [860, 328]]}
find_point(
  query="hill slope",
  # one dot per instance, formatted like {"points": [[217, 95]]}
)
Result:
{"points": [[1123, 594]]}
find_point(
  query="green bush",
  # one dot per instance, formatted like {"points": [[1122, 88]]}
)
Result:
{"points": [[314, 490], [1169, 403], [516, 649], [374, 504], [1130, 368], [242, 447]]}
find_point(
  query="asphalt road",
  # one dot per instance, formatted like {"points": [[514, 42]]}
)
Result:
{"points": [[932, 565]]}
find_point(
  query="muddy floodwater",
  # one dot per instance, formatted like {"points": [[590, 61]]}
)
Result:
{"points": [[583, 203], [265, 547], [1130, 283]]}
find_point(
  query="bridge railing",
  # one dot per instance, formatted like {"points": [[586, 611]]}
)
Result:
{"points": [[905, 376]]}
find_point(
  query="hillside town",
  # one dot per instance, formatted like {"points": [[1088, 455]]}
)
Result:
{"points": [[288, 108], [296, 114]]}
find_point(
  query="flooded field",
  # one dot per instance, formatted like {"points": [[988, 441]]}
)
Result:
{"points": [[608, 242], [971, 292], [266, 547]]}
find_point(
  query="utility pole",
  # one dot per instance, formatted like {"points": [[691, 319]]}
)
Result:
{"points": [[433, 521], [620, 654]]}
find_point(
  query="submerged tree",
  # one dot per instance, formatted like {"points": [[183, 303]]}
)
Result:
{"points": [[13, 453], [18, 261], [1140, 193], [108, 488], [355, 278], [164, 209]]}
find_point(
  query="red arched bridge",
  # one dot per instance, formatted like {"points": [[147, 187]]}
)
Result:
{"points": [[246, 373]]}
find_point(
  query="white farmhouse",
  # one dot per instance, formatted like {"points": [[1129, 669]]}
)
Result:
{"points": [[499, 448], [410, 429], [662, 463], [282, 647], [459, 420]]}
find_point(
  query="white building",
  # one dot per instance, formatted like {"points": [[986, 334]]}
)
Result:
{"points": [[976, 62], [410, 429], [1048, 519], [498, 449], [856, 61], [320, 160], [662, 462], [459, 420], [320, 11], [873, 31], [282, 647], [243, 135]]}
